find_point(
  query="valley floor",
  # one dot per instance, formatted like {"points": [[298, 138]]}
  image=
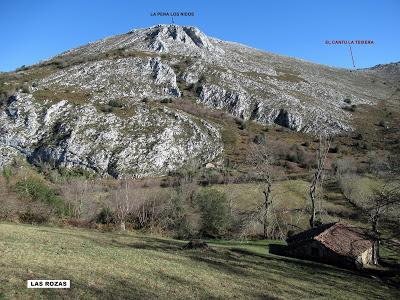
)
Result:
{"points": [[134, 266]]}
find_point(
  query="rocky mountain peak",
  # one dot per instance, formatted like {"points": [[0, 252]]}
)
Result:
{"points": [[187, 35], [163, 37]]}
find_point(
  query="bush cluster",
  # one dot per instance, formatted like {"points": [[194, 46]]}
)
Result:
{"points": [[300, 156], [106, 216], [214, 213], [241, 123], [33, 217], [351, 108], [35, 190], [166, 100], [117, 103]]}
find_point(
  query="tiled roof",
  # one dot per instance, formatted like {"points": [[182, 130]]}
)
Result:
{"points": [[308, 234], [343, 239]]}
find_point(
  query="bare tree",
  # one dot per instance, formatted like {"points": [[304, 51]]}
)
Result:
{"points": [[382, 202], [316, 182], [384, 199], [76, 195], [343, 167], [148, 207], [187, 180], [261, 160], [9, 202], [123, 204], [274, 225], [231, 194]]}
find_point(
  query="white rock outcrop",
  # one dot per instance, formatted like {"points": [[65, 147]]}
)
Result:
{"points": [[151, 142]]}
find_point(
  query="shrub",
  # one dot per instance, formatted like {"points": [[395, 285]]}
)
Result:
{"points": [[211, 177], [105, 216], [79, 223], [116, 103], [344, 166], [214, 213], [365, 146], [35, 190], [334, 149], [22, 68], [347, 100], [382, 123], [7, 174], [166, 100], [318, 222], [190, 87], [260, 139], [24, 88], [106, 108], [5, 94], [241, 123], [74, 173], [351, 108], [31, 217], [298, 155], [176, 214], [60, 64], [230, 138], [183, 228]]}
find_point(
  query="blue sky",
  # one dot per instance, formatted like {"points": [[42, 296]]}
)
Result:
{"points": [[34, 30]]}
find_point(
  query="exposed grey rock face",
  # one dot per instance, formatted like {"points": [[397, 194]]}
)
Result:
{"points": [[236, 102], [152, 142], [285, 119], [144, 66], [164, 37], [132, 78]]}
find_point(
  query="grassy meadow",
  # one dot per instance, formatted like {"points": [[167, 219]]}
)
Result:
{"points": [[110, 265]]}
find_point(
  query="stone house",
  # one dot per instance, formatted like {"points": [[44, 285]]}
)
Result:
{"points": [[335, 243]]}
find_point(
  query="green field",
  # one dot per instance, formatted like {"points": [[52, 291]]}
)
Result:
{"points": [[130, 266]]}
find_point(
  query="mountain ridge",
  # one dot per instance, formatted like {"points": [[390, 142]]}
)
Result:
{"points": [[124, 81], [230, 42]]}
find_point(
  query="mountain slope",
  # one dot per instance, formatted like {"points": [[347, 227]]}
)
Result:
{"points": [[102, 106]]}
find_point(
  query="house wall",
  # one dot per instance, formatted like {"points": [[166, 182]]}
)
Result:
{"points": [[366, 257], [314, 250]]}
